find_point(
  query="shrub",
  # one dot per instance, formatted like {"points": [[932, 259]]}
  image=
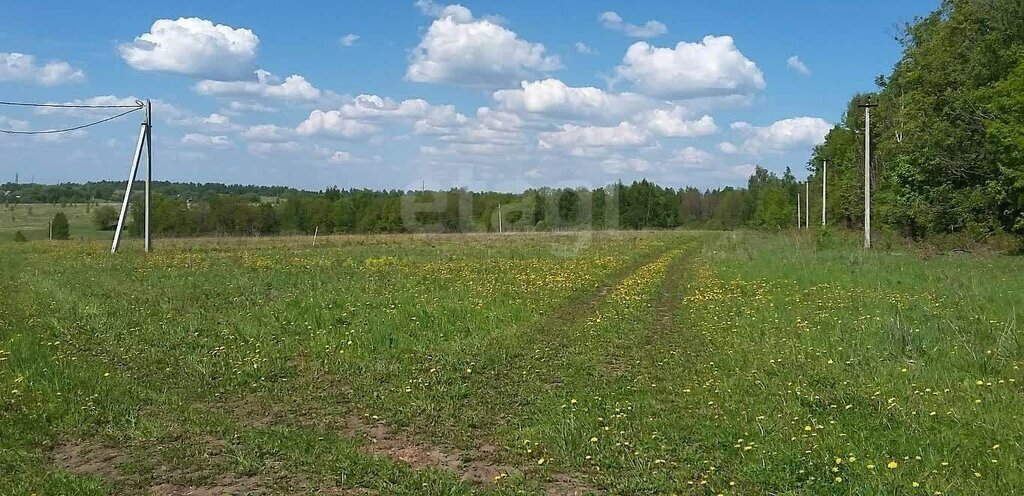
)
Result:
{"points": [[825, 238], [19, 237], [105, 218], [59, 227]]}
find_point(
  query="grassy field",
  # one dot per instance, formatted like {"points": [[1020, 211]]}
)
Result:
{"points": [[32, 220], [618, 363]]}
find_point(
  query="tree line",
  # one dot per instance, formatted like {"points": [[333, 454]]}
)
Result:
{"points": [[190, 209], [948, 132], [769, 202]]}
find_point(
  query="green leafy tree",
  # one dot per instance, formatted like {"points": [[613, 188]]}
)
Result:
{"points": [[59, 226], [105, 218]]}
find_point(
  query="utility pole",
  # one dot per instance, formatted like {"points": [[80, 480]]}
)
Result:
{"points": [[807, 199], [867, 171], [824, 178], [499, 219], [145, 136], [798, 217], [149, 169]]}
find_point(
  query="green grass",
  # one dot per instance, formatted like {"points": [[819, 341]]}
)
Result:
{"points": [[622, 363], [32, 220]]}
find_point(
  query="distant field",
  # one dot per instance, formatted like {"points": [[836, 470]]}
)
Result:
{"points": [[32, 220], [612, 363]]}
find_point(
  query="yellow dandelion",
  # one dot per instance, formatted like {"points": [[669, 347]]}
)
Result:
{"points": [[893, 465]]}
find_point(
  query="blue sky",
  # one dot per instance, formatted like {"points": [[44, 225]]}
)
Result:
{"points": [[488, 95]]}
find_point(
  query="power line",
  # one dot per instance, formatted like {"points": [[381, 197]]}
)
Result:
{"points": [[138, 104], [83, 126]]}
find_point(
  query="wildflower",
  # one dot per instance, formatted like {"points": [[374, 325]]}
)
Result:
{"points": [[893, 465]]}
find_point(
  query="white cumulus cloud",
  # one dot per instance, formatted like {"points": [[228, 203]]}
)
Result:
{"points": [[611, 20], [798, 65], [374, 106], [211, 123], [672, 122], [22, 68], [691, 156], [784, 134], [714, 67], [584, 49], [194, 47], [13, 124], [460, 49], [268, 133], [613, 165], [554, 97], [294, 88], [206, 141], [348, 40], [332, 123], [727, 148], [240, 107], [591, 140]]}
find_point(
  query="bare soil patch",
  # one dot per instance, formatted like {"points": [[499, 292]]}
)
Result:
{"points": [[89, 459], [477, 466], [97, 460], [225, 485]]}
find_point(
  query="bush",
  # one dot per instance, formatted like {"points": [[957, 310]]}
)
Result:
{"points": [[105, 218], [19, 237], [59, 227], [825, 238]]}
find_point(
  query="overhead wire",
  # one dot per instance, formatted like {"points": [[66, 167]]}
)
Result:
{"points": [[69, 105], [131, 108]]}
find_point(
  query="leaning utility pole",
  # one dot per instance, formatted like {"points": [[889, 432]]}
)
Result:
{"points": [[824, 178], [867, 171], [145, 138]]}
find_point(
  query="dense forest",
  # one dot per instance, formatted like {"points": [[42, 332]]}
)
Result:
{"points": [[948, 132], [948, 157]]}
